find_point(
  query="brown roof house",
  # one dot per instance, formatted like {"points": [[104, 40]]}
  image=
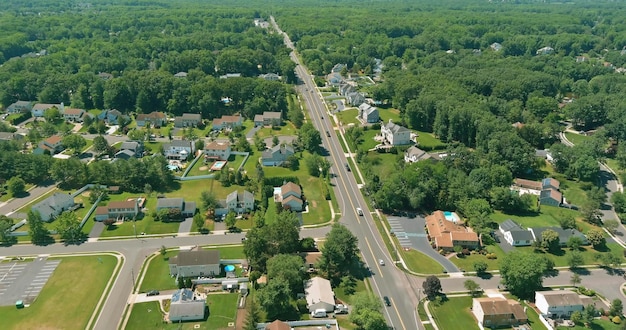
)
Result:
{"points": [[226, 122], [217, 150], [278, 325], [445, 234], [290, 196], [498, 312], [118, 210], [547, 190], [195, 263], [155, 118], [268, 118], [52, 145], [188, 120]]}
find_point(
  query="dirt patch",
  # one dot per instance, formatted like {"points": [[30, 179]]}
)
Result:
{"points": [[204, 168], [314, 204], [86, 193]]}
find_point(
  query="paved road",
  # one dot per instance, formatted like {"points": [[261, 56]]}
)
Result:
{"points": [[9, 207], [387, 280]]}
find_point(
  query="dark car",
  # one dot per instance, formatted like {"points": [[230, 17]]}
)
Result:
{"points": [[328, 133], [347, 168], [387, 301], [152, 293]]}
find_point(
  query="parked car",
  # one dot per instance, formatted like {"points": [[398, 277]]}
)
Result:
{"points": [[387, 301], [152, 293]]}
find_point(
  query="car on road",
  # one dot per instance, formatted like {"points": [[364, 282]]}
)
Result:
{"points": [[347, 168], [387, 301], [359, 211], [328, 133], [381, 262], [152, 293]]}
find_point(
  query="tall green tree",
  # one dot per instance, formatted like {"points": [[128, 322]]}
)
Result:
{"points": [[340, 253], [274, 299], [366, 312], [288, 267], [5, 231], [68, 227], [16, 185], [39, 234], [522, 273], [432, 287]]}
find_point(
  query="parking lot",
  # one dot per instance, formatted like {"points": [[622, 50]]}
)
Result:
{"points": [[23, 280]]}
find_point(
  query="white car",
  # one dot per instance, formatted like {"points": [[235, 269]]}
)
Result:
{"points": [[359, 211], [381, 262]]}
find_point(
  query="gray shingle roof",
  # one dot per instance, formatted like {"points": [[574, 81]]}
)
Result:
{"points": [[170, 203], [521, 235], [193, 258], [509, 225]]}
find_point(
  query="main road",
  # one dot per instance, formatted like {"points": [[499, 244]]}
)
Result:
{"points": [[387, 280]]}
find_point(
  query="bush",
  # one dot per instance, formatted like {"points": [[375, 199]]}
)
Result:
{"points": [[302, 306], [616, 320], [492, 256]]}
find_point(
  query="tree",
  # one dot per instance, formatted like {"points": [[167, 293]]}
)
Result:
{"points": [[51, 115], [181, 282], [137, 135], [274, 299], [480, 267], [589, 314], [577, 317], [550, 240], [275, 141], [309, 138], [365, 306], [308, 244], [522, 273], [68, 227], [575, 259], [575, 279], [289, 268], [254, 315], [618, 199], [70, 172], [472, 287], [163, 250], [17, 186], [209, 201], [617, 308], [280, 236], [432, 287], [574, 243], [230, 220], [567, 221], [188, 283], [595, 237], [590, 211], [39, 235], [100, 144], [611, 225], [74, 142], [198, 220], [340, 253], [5, 231]]}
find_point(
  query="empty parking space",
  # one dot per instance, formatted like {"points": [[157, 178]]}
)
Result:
{"points": [[24, 280]]}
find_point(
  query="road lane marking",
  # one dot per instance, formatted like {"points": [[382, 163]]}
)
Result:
{"points": [[380, 272], [393, 303]]}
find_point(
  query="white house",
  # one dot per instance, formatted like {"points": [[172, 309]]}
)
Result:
{"points": [[19, 107], [185, 306], [394, 134], [236, 202], [54, 205], [515, 235], [178, 149], [319, 294], [545, 50], [558, 303], [217, 150], [368, 113], [195, 263], [414, 154], [277, 155], [40, 108]]}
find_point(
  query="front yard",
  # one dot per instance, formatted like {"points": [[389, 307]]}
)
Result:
{"points": [[453, 312]]}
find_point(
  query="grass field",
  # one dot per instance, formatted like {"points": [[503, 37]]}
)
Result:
{"points": [[348, 117], [286, 129], [158, 273], [421, 263], [533, 318], [454, 312], [467, 263], [144, 225], [429, 141], [576, 138], [548, 216], [234, 161], [391, 113], [595, 325], [76, 285], [222, 310]]}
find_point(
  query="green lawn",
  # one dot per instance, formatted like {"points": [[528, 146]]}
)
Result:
{"points": [[454, 312], [420, 263], [386, 114], [286, 129], [467, 263], [533, 318], [270, 213], [368, 140], [234, 161], [348, 117], [576, 138], [144, 225], [588, 253], [429, 141], [595, 325], [76, 285], [8, 194], [548, 216], [347, 299]]}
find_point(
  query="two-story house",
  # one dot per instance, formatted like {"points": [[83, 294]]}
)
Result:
{"points": [[493, 312], [227, 122], [394, 134], [514, 234], [414, 154], [118, 210], [237, 202], [178, 149], [130, 149], [268, 118], [39, 109], [290, 197], [73, 114], [558, 303], [368, 113], [217, 150], [187, 208], [445, 234], [195, 263], [52, 145], [112, 117], [188, 120], [276, 155], [155, 119], [19, 107]]}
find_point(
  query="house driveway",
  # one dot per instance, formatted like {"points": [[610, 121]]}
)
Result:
{"points": [[254, 129], [411, 234], [185, 226], [96, 230], [340, 105]]}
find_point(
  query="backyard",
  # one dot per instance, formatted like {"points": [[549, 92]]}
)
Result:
{"points": [[202, 168], [452, 312], [286, 129], [70, 288], [145, 224]]}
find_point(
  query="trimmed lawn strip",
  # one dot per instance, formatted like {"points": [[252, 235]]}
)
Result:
{"points": [[576, 138], [352, 165], [429, 141], [70, 288], [467, 263], [146, 315], [596, 324], [389, 113], [420, 263], [383, 234], [348, 116], [345, 298], [454, 312], [533, 318], [286, 129]]}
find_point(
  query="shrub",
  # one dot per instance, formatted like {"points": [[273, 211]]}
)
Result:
{"points": [[616, 320], [492, 256]]}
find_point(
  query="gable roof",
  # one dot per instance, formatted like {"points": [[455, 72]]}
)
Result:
{"points": [[445, 232], [501, 306], [73, 111], [180, 144], [129, 145], [561, 298], [551, 193], [278, 325], [192, 116], [152, 115], [54, 139], [551, 182], [509, 225], [395, 128], [318, 289], [367, 109], [217, 145], [44, 106], [530, 184], [170, 203], [193, 258], [290, 187], [564, 234], [521, 235], [122, 204]]}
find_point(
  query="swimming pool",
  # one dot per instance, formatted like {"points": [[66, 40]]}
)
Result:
{"points": [[451, 216], [218, 165]]}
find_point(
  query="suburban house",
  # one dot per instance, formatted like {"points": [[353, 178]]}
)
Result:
{"points": [[270, 76], [178, 149], [155, 119], [237, 202], [230, 75], [195, 263], [227, 122], [498, 312], [550, 197], [394, 134], [54, 205], [259, 22], [112, 117], [368, 113], [354, 98], [73, 114], [319, 294], [268, 118], [545, 51], [53, 144], [414, 154], [515, 235], [185, 306], [290, 197], [118, 210], [40, 108], [19, 107], [188, 120], [217, 150], [187, 209], [130, 149], [558, 303], [445, 234], [564, 234], [276, 155], [547, 190], [334, 78], [278, 325]]}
